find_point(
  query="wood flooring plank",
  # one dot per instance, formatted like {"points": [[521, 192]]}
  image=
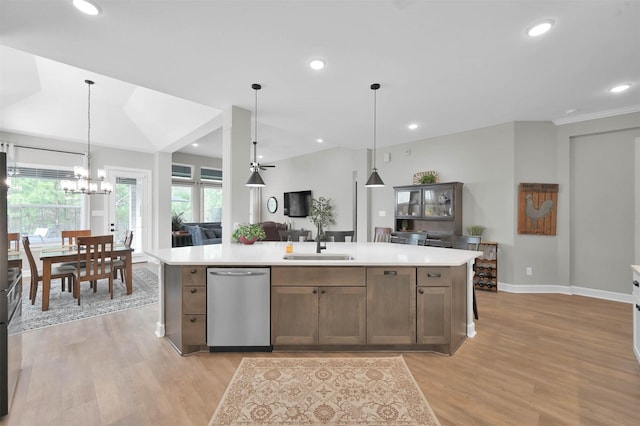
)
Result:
{"points": [[538, 359]]}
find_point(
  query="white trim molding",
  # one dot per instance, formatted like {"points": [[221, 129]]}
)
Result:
{"points": [[566, 289]]}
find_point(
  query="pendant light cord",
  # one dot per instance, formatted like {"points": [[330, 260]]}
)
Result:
{"points": [[374, 127]]}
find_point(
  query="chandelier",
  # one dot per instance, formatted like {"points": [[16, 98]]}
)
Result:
{"points": [[84, 183]]}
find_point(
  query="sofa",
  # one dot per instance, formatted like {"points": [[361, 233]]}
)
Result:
{"points": [[204, 233], [272, 229]]}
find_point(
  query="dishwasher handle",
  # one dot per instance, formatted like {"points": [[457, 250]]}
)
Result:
{"points": [[237, 273]]}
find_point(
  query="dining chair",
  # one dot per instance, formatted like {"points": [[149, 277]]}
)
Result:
{"points": [[294, 234], [69, 238], [95, 257], [339, 236], [464, 242], [381, 234], [119, 264], [65, 273], [13, 241]]}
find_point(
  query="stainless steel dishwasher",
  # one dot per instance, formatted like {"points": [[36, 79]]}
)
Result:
{"points": [[239, 309]]}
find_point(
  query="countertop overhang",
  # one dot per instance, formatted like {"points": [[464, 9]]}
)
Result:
{"points": [[270, 253]]}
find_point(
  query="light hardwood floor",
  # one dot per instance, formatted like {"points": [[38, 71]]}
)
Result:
{"points": [[537, 360]]}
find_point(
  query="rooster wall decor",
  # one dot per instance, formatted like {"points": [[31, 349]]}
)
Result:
{"points": [[538, 208]]}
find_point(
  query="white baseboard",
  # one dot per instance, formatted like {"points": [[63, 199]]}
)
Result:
{"points": [[562, 289]]}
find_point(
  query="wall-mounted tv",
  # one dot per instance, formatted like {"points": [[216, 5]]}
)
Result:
{"points": [[297, 204]]}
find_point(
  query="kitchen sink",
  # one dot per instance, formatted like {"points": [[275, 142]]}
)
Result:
{"points": [[317, 256]]}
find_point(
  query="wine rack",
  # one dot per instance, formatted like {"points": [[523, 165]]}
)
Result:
{"points": [[486, 268]]}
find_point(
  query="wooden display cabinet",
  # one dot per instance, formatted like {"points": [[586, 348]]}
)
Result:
{"points": [[433, 208], [486, 267]]}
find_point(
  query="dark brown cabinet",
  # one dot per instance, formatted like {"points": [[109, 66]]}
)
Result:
{"points": [[434, 208]]}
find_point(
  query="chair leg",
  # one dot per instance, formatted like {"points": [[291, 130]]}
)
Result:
{"points": [[111, 285], [475, 305]]}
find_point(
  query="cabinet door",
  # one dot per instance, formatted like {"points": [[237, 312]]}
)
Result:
{"points": [[294, 315], [434, 315], [438, 202], [342, 315], [391, 305], [408, 203]]}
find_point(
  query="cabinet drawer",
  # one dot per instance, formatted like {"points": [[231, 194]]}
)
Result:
{"points": [[434, 276], [194, 299], [194, 275], [194, 329], [302, 276]]}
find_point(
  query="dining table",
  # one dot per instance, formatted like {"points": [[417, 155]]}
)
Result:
{"points": [[66, 254]]}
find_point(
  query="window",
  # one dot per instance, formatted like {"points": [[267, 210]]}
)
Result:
{"points": [[212, 175], [181, 171], [181, 197], [212, 203], [38, 207]]}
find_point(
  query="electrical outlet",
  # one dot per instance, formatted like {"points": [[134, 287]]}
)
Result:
{"points": [[529, 270]]}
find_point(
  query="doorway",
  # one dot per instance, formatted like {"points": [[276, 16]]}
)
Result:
{"points": [[129, 208]]}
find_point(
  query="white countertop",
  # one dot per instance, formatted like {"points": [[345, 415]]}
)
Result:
{"points": [[269, 253], [636, 268]]}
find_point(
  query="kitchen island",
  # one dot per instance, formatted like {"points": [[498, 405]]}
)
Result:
{"points": [[354, 296]]}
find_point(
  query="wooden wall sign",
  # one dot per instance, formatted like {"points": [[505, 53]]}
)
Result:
{"points": [[538, 208]]}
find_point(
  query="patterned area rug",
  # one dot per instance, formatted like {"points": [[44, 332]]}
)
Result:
{"points": [[64, 308], [328, 391]]}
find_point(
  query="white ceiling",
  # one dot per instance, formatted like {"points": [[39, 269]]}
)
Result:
{"points": [[165, 70]]}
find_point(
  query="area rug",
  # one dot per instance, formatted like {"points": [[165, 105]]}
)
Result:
{"points": [[327, 391], [64, 308]]}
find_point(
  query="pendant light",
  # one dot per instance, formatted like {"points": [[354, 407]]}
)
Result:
{"points": [[85, 183], [255, 180], [374, 180]]}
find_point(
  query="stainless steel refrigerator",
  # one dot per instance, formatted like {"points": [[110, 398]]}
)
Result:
{"points": [[10, 307]]}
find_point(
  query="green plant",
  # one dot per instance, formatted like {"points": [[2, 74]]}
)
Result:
{"points": [[176, 221], [250, 232], [322, 214], [428, 178], [404, 224], [475, 230]]}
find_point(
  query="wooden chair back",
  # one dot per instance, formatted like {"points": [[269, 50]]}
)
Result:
{"points": [[461, 242], [13, 241], [94, 257], [69, 238], [339, 236], [381, 235], [295, 235]]}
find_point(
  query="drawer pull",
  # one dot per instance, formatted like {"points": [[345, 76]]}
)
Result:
{"points": [[421, 291], [637, 307], [315, 291], [322, 291], [193, 271], [391, 272], [635, 282], [193, 319], [194, 290], [434, 275]]}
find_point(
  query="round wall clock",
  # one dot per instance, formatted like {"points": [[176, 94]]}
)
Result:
{"points": [[272, 204]]}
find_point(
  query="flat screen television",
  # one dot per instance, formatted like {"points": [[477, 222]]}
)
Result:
{"points": [[297, 204]]}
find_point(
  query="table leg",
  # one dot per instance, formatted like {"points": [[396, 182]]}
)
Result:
{"points": [[127, 268], [46, 283]]}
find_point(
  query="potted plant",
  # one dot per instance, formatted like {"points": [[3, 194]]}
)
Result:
{"points": [[176, 222], [404, 225], [475, 230], [428, 178], [249, 233], [322, 214]]}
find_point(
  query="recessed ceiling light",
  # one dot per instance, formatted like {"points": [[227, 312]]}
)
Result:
{"points": [[317, 64], [87, 6], [571, 110], [319, 140], [412, 126], [620, 88], [194, 144], [540, 28], [260, 157]]}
